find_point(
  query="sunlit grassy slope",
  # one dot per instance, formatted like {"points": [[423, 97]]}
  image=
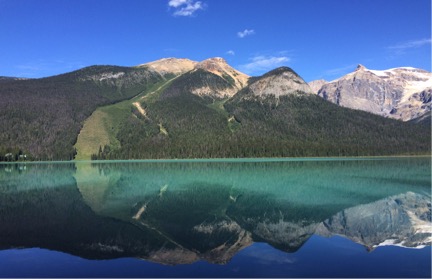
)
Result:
{"points": [[102, 126]]}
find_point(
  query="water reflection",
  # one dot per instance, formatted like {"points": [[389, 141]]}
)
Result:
{"points": [[180, 212]]}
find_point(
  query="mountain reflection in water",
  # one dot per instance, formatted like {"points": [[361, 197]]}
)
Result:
{"points": [[181, 212]]}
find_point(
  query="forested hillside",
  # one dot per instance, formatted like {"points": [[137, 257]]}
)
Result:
{"points": [[144, 114], [184, 125], [42, 117]]}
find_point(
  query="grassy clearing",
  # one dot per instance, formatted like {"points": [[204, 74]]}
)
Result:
{"points": [[92, 135], [154, 94], [219, 107], [163, 130], [102, 126]]}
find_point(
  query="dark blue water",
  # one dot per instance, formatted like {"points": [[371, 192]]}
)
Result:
{"points": [[287, 218], [320, 257]]}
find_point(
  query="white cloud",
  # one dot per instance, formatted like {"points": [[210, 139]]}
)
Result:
{"points": [[230, 52], [261, 63], [185, 7], [401, 48], [177, 3], [245, 33]]}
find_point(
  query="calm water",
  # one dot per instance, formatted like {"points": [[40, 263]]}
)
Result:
{"points": [[217, 218]]}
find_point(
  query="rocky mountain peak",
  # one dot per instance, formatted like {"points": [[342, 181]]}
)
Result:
{"points": [[220, 67], [279, 82], [212, 64], [171, 65], [218, 60], [360, 67], [400, 93], [316, 85]]}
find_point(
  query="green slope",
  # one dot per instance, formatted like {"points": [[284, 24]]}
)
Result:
{"points": [[179, 124], [101, 128], [109, 112], [42, 117]]}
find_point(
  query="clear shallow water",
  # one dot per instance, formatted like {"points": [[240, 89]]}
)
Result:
{"points": [[217, 218]]}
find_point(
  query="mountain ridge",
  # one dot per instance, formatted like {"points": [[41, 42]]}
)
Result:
{"points": [[193, 110], [401, 93]]}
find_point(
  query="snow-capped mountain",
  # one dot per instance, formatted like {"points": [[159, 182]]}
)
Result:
{"points": [[401, 93], [401, 220]]}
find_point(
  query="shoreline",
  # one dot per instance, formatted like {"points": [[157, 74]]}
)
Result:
{"points": [[229, 160]]}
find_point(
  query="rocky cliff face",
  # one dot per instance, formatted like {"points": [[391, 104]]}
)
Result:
{"points": [[220, 67], [279, 82], [212, 77], [174, 66], [233, 79], [402, 220], [400, 93], [316, 85]]}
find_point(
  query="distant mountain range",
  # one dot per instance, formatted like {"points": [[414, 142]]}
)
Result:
{"points": [[400, 93], [179, 108]]}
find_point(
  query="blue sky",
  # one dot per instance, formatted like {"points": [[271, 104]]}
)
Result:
{"points": [[317, 38]]}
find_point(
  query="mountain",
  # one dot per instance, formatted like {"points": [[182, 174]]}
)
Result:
{"points": [[178, 108], [425, 120], [220, 67], [275, 115], [282, 81], [3, 78], [217, 66], [43, 117], [212, 78], [316, 85], [174, 66], [400, 93], [402, 220]]}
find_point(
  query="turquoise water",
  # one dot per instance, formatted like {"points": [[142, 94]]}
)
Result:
{"points": [[326, 217]]}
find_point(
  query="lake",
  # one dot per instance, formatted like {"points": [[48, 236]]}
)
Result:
{"points": [[326, 217]]}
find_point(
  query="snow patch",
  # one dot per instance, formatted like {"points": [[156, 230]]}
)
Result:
{"points": [[393, 242], [379, 73]]}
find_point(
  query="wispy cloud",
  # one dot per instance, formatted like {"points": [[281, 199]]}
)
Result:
{"points": [[263, 63], [44, 68], [185, 7], [246, 32], [230, 52], [402, 48], [177, 3], [338, 72]]}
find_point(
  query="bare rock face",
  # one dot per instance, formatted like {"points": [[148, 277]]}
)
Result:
{"points": [[174, 66], [212, 77], [399, 93], [216, 79], [316, 85], [286, 236], [402, 220], [220, 67], [279, 82]]}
